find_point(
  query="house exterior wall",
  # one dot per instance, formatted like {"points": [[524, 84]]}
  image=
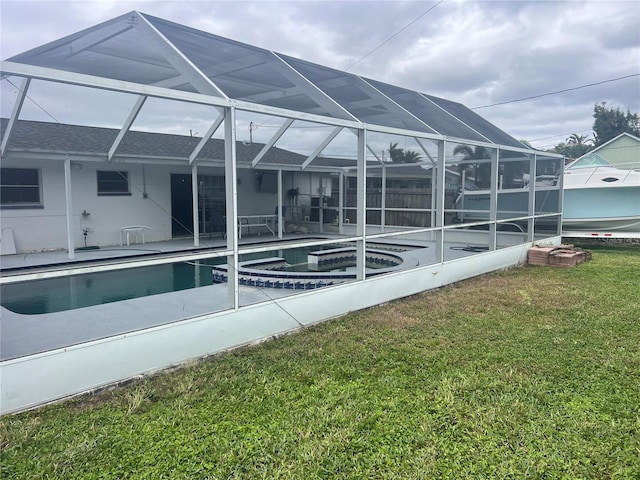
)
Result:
{"points": [[44, 228], [149, 204], [623, 151], [309, 184], [251, 201], [110, 213]]}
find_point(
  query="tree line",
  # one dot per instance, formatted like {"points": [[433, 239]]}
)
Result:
{"points": [[608, 124]]}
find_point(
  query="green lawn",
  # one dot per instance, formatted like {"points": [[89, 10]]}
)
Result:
{"points": [[528, 373]]}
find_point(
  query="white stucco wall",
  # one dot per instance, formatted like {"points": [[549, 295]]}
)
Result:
{"points": [[110, 213], [44, 228], [251, 201]]}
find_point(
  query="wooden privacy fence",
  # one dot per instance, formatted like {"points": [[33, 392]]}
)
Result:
{"points": [[400, 206]]}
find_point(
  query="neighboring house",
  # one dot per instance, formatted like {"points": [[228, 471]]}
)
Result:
{"points": [[622, 151]]}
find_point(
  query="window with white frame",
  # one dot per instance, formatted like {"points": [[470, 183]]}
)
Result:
{"points": [[20, 188], [113, 183]]}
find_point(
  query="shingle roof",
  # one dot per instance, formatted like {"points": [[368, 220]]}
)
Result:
{"points": [[46, 137], [62, 138]]}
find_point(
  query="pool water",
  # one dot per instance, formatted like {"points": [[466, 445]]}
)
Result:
{"points": [[76, 291]]}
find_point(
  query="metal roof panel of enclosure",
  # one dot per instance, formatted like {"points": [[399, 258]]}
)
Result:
{"points": [[358, 97], [481, 125], [147, 50], [441, 120]]}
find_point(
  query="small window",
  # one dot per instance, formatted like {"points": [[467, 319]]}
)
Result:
{"points": [[610, 179], [113, 183], [20, 188]]}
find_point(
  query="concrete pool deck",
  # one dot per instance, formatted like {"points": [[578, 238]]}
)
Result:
{"points": [[19, 262]]}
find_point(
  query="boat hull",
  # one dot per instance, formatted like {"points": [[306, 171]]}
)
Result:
{"points": [[602, 209], [512, 203], [602, 199]]}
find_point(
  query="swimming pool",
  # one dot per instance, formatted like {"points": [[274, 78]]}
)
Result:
{"points": [[76, 291]]}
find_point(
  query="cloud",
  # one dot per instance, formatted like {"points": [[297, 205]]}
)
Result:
{"points": [[474, 52]]}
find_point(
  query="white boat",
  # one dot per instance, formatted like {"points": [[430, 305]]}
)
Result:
{"points": [[472, 203], [599, 197]]}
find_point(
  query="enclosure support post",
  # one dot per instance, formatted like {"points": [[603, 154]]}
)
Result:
{"points": [[383, 200], [361, 229], [434, 197], [279, 212], [231, 189], [532, 197], [194, 201], [320, 204], [341, 202], [440, 186], [69, 207], [560, 186], [493, 200]]}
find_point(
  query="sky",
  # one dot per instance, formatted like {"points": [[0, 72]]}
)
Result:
{"points": [[477, 53]]}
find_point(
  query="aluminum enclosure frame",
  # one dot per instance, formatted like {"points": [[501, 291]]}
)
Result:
{"points": [[33, 380]]}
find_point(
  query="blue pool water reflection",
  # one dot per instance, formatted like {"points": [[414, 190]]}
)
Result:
{"points": [[66, 293], [76, 291]]}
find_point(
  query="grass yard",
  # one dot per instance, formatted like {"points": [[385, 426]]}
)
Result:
{"points": [[528, 373]]}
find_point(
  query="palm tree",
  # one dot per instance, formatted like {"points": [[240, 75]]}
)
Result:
{"points": [[482, 171], [575, 139], [395, 154], [398, 155], [411, 156], [575, 146]]}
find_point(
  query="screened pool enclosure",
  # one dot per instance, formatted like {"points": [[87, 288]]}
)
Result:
{"points": [[140, 151]]}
